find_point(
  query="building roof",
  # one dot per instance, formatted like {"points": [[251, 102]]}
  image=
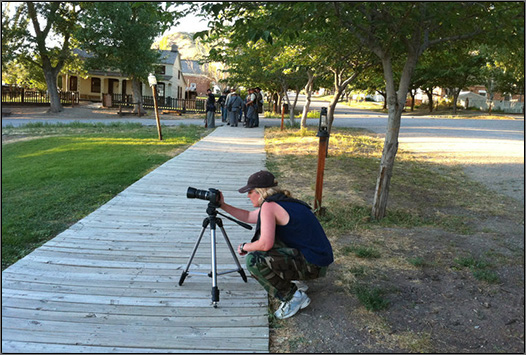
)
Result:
{"points": [[167, 57], [191, 67]]}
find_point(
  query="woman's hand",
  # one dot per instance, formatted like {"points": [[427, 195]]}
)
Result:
{"points": [[221, 199], [240, 250]]}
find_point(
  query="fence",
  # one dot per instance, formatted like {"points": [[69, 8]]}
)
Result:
{"points": [[483, 104], [166, 103], [37, 97]]}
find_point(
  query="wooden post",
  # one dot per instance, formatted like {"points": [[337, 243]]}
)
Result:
{"points": [[154, 88], [322, 153]]}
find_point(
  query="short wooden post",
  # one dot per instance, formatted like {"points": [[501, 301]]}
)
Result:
{"points": [[154, 87], [322, 153], [323, 133]]}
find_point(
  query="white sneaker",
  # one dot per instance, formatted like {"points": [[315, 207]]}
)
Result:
{"points": [[287, 309], [302, 286]]}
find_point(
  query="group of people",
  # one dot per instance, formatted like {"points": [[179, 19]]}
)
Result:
{"points": [[233, 108]]}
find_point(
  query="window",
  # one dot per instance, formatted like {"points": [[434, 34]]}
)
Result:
{"points": [[95, 85], [161, 69], [160, 89], [72, 83]]}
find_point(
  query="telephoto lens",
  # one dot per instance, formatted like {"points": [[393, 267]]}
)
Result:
{"points": [[196, 193], [212, 195]]}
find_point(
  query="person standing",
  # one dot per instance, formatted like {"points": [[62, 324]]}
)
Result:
{"points": [[234, 106], [210, 109], [222, 102], [259, 105], [251, 108]]}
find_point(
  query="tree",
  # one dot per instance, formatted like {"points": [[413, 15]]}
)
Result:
{"points": [[395, 32], [47, 47], [119, 36], [406, 30], [14, 30], [317, 47]]}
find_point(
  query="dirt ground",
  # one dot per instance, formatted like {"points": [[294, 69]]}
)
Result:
{"points": [[433, 309], [435, 306]]}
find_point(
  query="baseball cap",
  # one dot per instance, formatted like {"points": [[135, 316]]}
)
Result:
{"points": [[261, 179]]}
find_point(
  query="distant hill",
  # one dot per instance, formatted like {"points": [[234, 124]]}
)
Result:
{"points": [[188, 48]]}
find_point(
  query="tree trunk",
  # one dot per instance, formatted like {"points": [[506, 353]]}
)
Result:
{"points": [[383, 180], [308, 92], [50, 71], [396, 102], [456, 93], [339, 88], [332, 108], [384, 95], [291, 108], [137, 97], [430, 99], [296, 98], [490, 103], [50, 74]]}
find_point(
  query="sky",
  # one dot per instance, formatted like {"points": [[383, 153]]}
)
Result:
{"points": [[190, 23]]}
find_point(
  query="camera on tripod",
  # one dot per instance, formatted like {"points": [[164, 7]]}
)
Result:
{"points": [[212, 195]]}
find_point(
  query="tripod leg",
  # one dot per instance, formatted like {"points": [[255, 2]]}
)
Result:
{"points": [[239, 268], [185, 272], [215, 289]]}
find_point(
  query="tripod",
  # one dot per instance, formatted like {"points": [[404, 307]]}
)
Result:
{"points": [[213, 220]]}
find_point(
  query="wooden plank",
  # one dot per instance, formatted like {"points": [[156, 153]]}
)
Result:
{"points": [[110, 282], [166, 292], [40, 348], [154, 338], [223, 313]]}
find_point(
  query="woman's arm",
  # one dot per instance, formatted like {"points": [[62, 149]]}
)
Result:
{"points": [[272, 214], [242, 215]]}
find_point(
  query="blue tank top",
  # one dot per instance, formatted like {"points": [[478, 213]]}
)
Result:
{"points": [[305, 233]]}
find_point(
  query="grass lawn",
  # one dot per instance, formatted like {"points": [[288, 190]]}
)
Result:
{"points": [[54, 175]]}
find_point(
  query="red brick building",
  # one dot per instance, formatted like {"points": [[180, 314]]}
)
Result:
{"points": [[197, 79]]}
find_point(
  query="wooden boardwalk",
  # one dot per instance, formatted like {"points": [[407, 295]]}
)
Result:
{"points": [[110, 282]]}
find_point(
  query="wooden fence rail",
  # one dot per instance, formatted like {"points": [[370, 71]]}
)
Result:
{"points": [[166, 103], [37, 97]]}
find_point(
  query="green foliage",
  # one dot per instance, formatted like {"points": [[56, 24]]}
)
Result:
{"points": [[480, 268], [417, 261], [362, 251], [371, 297], [14, 30], [47, 46], [119, 35]]}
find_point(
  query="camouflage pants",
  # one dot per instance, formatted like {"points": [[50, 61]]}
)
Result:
{"points": [[276, 268]]}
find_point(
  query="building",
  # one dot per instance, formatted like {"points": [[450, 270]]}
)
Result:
{"points": [[170, 80], [478, 97], [195, 74]]}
